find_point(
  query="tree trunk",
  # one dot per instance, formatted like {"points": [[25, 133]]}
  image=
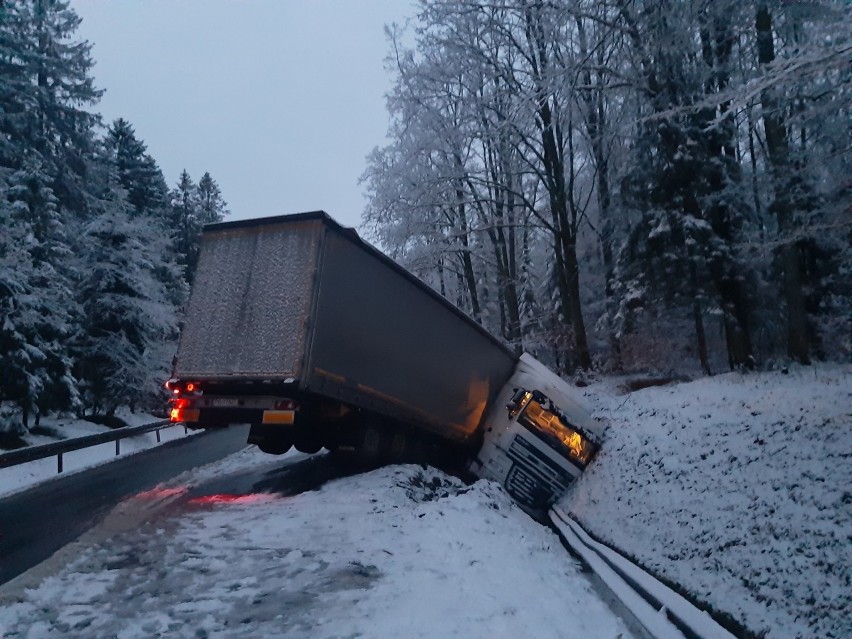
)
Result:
{"points": [[698, 319], [595, 112], [554, 170], [716, 51], [777, 144], [467, 263]]}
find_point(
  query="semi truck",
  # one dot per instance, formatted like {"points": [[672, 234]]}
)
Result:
{"points": [[298, 327]]}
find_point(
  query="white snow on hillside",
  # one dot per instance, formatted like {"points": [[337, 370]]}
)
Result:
{"points": [[735, 487], [402, 551], [738, 488]]}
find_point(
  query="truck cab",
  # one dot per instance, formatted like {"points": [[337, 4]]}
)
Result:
{"points": [[537, 437]]}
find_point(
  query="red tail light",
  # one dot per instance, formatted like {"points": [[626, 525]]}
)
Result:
{"points": [[178, 387]]}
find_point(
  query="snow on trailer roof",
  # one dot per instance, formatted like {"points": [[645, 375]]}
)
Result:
{"points": [[278, 219], [352, 234]]}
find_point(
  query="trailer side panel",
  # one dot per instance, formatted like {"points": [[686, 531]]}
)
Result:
{"points": [[384, 341]]}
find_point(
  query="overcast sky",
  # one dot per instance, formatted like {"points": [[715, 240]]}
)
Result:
{"points": [[281, 100]]}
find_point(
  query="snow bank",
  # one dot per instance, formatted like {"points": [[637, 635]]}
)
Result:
{"points": [[736, 487]]}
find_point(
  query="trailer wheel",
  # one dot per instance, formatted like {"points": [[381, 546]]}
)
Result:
{"points": [[269, 439], [400, 446], [274, 448], [373, 445], [307, 445]]}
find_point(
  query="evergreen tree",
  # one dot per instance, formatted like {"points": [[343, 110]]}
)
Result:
{"points": [[47, 86], [185, 223], [38, 310], [17, 386], [193, 206], [16, 94], [129, 320], [138, 172], [212, 207], [89, 283], [46, 136], [685, 172], [145, 190]]}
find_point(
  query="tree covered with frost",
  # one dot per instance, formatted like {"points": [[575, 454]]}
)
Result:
{"points": [[91, 286], [626, 184], [127, 316], [192, 206]]}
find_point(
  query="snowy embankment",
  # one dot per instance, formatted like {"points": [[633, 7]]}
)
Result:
{"points": [[736, 487], [402, 551], [23, 476]]}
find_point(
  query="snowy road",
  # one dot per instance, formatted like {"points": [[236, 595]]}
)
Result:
{"points": [[37, 522], [229, 551]]}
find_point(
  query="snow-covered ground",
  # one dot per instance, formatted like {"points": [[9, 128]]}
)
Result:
{"points": [[402, 551], [738, 488], [26, 475]]}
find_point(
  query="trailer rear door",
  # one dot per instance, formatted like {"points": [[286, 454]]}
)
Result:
{"points": [[250, 302]]}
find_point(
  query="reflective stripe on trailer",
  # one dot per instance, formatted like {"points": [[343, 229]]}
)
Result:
{"points": [[184, 415], [279, 416]]}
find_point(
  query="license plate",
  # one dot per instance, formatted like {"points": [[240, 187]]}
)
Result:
{"points": [[221, 402]]}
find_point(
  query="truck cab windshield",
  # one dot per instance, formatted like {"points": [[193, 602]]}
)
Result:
{"points": [[555, 431]]}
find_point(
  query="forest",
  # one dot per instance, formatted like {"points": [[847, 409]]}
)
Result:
{"points": [[97, 252], [621, 185], [612, 185]]}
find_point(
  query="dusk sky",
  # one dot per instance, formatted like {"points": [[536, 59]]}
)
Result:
{"points": [[280, 100]]}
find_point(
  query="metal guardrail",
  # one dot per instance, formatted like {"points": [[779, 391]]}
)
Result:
{"points": [[663, 613], [32, 453]]}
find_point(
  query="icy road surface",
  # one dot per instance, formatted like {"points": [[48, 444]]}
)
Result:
{"points": [[402, 551]]}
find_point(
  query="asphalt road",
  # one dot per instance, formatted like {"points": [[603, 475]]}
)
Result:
{"points": [[36, 523]]}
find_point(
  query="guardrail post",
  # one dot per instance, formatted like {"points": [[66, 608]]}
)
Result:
{"points": [[158, 435], [59, 462], [117, 447]]}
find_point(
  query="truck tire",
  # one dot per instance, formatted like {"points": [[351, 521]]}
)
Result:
{"points": [[269, 439], [400, 447], [274, 447], [373, 446]]}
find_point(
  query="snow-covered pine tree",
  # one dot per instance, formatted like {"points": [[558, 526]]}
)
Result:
{"points": [[684, 174], [138, 172], [212, 206], [16, 276], [48, 111], [46, 137], [16, 96], [185, 223], [129, 322], [145, 189], [38, 305], [193, 206]]}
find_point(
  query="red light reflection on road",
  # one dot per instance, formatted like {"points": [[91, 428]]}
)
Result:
{"points": [[224, 498], [162, 493]]}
